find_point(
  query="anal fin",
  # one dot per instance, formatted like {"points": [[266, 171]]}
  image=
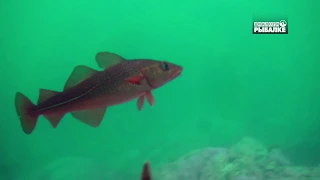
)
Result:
{"points": [[92, 118], [54, 119]]}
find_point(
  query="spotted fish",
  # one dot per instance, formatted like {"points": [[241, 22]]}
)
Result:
{"points": [[89, 92]]}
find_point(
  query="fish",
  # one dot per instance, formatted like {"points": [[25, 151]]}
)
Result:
{"points": [[146, 172], [88, 92]]}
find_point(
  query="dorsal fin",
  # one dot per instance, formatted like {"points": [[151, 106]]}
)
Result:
{"points": [[79, 74], [45, 95], [107, 59]]}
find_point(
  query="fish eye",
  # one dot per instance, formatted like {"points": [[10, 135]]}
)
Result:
{"points": [[165, 66]]}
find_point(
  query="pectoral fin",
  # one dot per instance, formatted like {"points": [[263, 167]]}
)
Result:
{"points": [[135, 79], [92, 118]]}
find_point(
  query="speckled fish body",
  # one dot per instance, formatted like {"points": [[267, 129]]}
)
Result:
{"points": [[89, 92]]}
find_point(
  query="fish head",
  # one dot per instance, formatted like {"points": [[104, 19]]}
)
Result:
{"points": [[161, 72]]}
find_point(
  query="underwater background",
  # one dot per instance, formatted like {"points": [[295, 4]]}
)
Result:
{"points": [[234, 85]]}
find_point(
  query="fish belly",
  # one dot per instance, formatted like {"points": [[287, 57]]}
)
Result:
{"points": [[119, 99], [104, 101]]}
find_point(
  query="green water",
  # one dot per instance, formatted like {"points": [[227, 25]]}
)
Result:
{"points": [[234, 83]]}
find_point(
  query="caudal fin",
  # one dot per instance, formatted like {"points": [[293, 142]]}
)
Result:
{"points": [[23, 106]]}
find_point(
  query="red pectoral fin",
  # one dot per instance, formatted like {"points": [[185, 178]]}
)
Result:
{"points": [[135, 79], [150, 98]]}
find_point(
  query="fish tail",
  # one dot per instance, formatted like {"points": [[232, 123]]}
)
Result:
{"points": [[28, 120]]}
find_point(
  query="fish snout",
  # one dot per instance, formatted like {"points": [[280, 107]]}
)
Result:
{"points": [[177, 72]]}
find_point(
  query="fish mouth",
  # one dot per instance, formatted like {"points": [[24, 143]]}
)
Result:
{"points": [[176, 74]]}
